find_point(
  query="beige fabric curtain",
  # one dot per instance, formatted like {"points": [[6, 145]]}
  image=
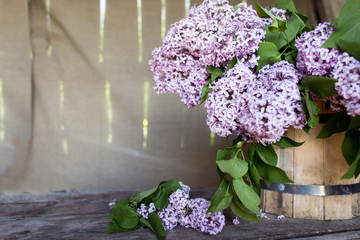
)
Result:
{"points": [[77, 109], [15, 94]]}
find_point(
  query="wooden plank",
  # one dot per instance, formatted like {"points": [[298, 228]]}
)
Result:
{"points": [[336, 236], [308, 207], [337, 207], [309, 158], [335, 164], [279, 203], [340, 207], [328, 9], [308, 169], [81, 221]]}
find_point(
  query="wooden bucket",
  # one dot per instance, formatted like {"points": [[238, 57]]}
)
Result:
{"points": [[316, 168]]}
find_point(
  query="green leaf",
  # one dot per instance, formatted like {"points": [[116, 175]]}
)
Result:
{"points": [[144, 222], [271, 173], [349, 42], [251, 151], [145, 194], [295, 26], [221, 198], [255, 178], [354, 122], [305, 19], [205, 91], [337, 123], [238, 209], [306, 129], [214, 71], [323, 86], [161, 200], [353, 169], [346, 36], [224, 154], [115, 228], [278, 26], [288, 142], [290, 57], [311, 110], [221, 174], [126, 216], [268, 53], [262, 12], [156, 224], [231, 63], [266, 153], [121, 203], [286, 5], [236, 167], [247, 195], [351, 145], [171, 184]]}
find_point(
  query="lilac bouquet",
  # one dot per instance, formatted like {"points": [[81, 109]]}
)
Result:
{"points": [[161, 209], [258, 72]]}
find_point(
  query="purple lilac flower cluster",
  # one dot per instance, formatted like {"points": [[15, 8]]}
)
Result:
{"points": [[317, 61], [257, 107], [144, 210], [212, 34], [347, 72], [227, 104], [190, 213], [312, 59], [196, 217]]}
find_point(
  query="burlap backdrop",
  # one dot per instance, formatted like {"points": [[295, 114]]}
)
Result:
{"points": [[77, 109]]}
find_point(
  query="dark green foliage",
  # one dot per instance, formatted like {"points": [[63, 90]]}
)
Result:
{"points": [[347, 34], [288, 142], [126, 219], [323, 86]]}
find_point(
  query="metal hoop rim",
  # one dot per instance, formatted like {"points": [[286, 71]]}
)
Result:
{"points": [[314, 190]]}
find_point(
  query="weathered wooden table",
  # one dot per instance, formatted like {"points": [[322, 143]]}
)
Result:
{"points": [[80, 215]]}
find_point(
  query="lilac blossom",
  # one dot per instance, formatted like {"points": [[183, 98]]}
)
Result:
{"points": [[181, 74], [112, 204], [178, 199], [169, 218], [336, 102], [171, 215], [312, 59], [221, 33], [199, 219], [258, 108], [227, 103], [347, 72], [212, 35], [236, 221], [275, 104], [184, 187], [190, 213], [317, 61], [144, 210]]}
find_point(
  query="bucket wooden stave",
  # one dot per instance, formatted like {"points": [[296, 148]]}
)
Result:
{"points": [[318, 162]]}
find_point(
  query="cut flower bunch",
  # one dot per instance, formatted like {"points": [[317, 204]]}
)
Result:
{"points": [[258, 72]]}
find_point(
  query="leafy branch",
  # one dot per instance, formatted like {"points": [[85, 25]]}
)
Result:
{"points": [[124, 213]]}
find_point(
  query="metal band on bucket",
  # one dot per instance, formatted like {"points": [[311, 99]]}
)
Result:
{"points": [[314, 190]]}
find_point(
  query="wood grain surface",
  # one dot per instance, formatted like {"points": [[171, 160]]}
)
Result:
{"points": [[80, 215]]}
